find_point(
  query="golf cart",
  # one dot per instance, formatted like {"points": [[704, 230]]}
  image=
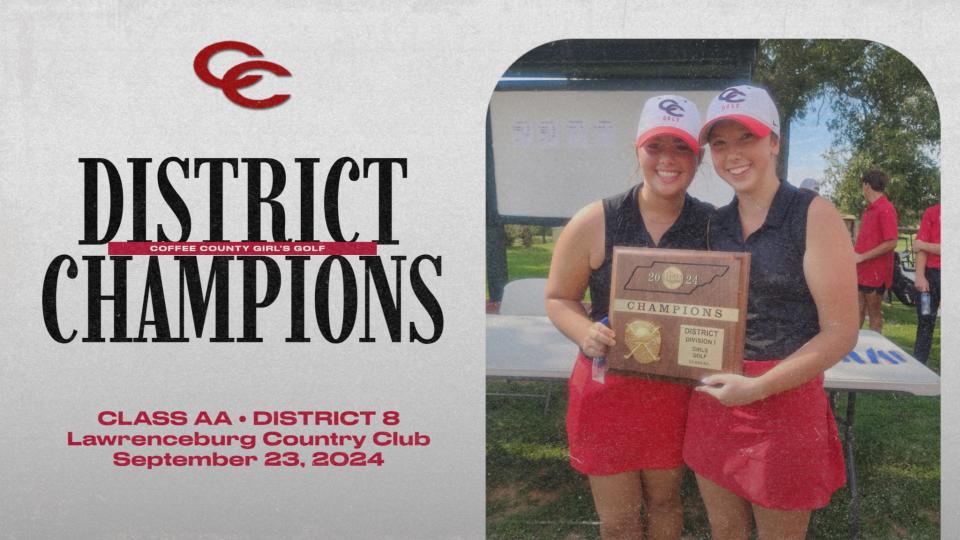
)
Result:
{"points": [[904, 269]]}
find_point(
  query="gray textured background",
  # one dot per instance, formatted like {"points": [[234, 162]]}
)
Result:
{"points": [[114, 79]]}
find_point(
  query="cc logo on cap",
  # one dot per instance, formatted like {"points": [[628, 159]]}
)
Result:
{"points": [[232, 82], [672, 108], [732, 95]]}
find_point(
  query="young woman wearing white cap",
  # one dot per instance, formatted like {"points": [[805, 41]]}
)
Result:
{"points": [[624, 432], [764, 445]]}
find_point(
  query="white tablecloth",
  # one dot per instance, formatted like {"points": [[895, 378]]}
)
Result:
{"points": [[530, 347]]}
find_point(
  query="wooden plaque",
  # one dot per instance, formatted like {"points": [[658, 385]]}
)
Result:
{"points": [[678, 314]]}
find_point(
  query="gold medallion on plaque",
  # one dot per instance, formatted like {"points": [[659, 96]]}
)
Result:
{"points": [[643, 341], [672, 277]]}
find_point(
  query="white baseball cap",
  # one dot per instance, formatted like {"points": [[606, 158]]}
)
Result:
{"points": [[670, 115], [746, 105]]}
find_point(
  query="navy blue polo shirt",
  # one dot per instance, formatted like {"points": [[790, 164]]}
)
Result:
{"points": [[781, 313], [623, 226]]}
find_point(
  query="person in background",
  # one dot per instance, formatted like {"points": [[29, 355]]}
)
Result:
{"points": [[874, 248], [626, 433], [927, 246], [811, 184]]}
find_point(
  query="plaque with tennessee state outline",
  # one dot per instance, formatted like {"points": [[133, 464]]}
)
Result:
{"points": [[678, 314]]}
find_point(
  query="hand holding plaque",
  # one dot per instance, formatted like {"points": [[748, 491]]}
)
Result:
{"points": [[678, 313]]}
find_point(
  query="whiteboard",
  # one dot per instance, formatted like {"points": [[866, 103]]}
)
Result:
{"points": [[556, 151]]}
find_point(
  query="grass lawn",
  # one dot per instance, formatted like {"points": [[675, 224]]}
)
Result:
{"points": [[533, 493], [529, 262]]}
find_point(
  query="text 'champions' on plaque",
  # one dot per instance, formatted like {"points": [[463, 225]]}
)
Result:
{"points": [[678, 313]]}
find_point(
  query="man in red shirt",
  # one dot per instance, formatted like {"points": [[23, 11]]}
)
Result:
{"points": [[876, 242], [927, 246]]}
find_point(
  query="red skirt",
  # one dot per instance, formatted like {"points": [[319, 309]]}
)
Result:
{"points": [[625, 424], [782, 452]]}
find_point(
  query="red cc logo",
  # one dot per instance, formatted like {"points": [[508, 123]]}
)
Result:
{"points": [[232, 82]]}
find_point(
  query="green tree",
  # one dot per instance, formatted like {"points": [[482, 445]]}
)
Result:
{"points": [[522, 232], [884, 115], [847, 196], [543, 231], [887, 116]]}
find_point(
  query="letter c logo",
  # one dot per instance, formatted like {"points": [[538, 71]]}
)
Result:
{"points": [[672, 108], [232, 82], [732, 95]]}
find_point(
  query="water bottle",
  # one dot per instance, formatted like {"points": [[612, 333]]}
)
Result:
{"points": [[925, 303]]}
